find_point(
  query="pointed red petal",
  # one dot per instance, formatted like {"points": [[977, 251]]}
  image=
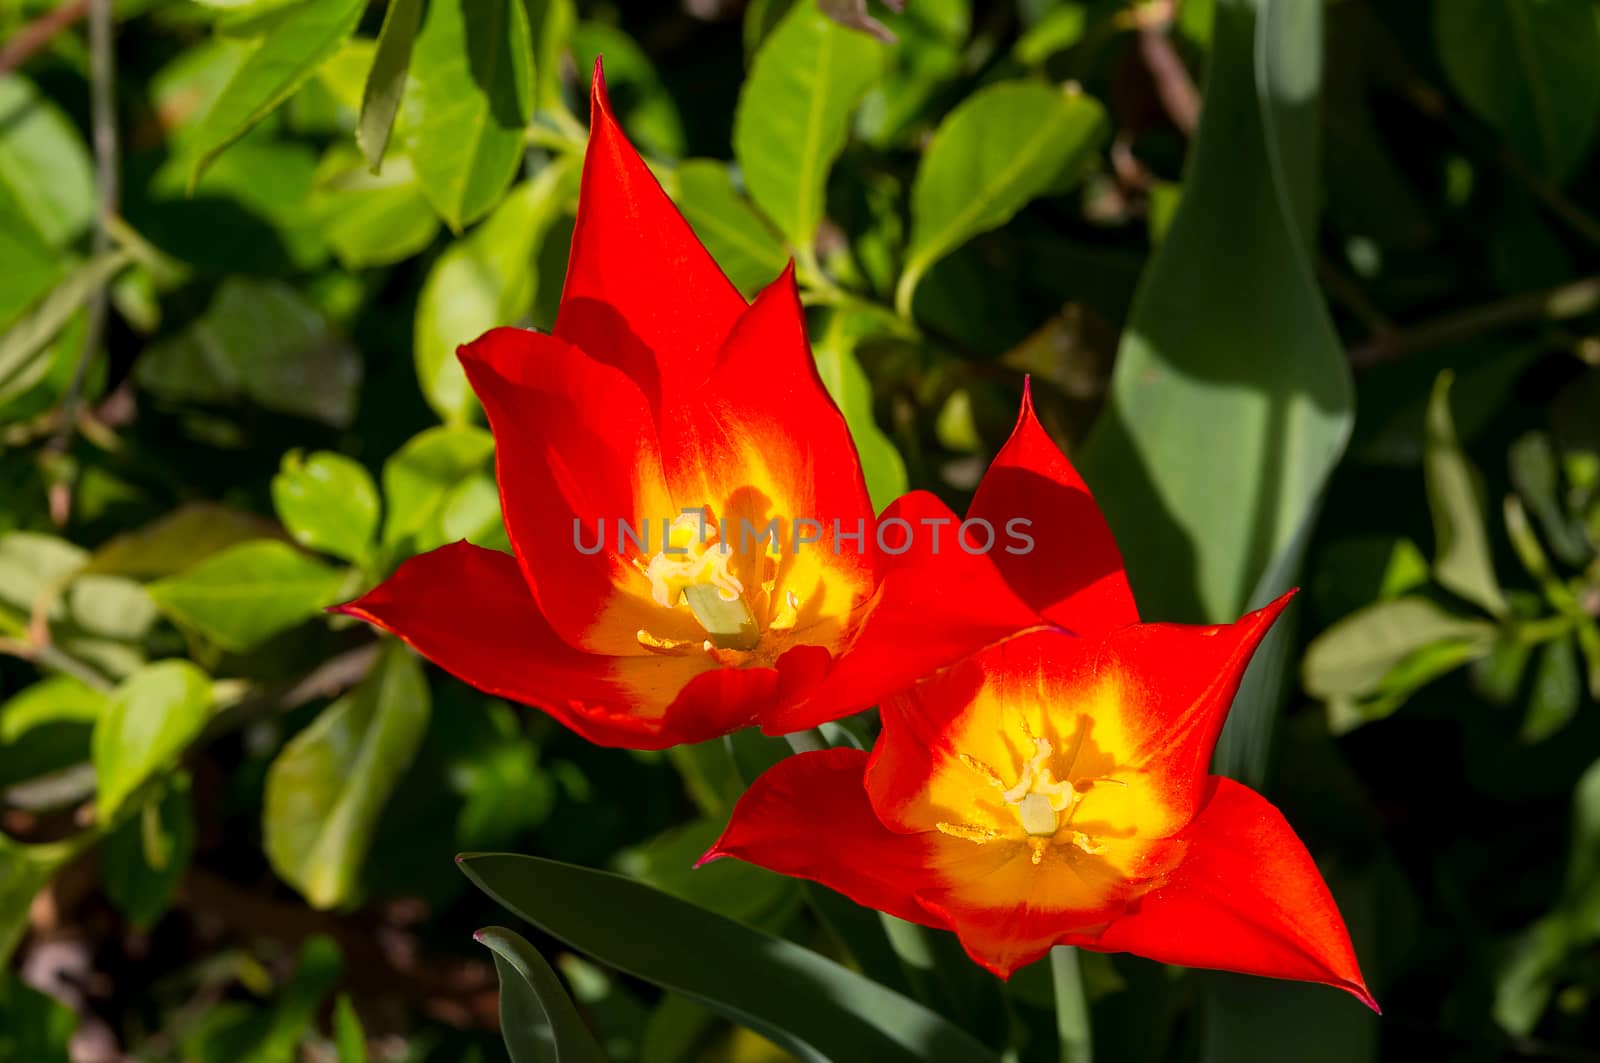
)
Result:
{"points": [[1073, 574], [574, 442], [1246, 897], [468, 610], [642, 293], [935, 604], [807, 816]]}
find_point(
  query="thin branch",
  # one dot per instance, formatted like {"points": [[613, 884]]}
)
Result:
{"points": [[1560, 303], [32, 38]]}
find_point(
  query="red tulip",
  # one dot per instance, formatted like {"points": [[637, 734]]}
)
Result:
{"points": [[664, 400], [1054, 789]]}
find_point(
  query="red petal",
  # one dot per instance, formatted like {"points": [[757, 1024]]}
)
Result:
{"points": [[1073, 574], [642, 293], [1246, 897], [935, 604], [807, 816], [574, 441], [468, 610]]}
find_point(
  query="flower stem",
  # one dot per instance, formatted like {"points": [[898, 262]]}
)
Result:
{"points": [[1072, 1007], [809, 741]]}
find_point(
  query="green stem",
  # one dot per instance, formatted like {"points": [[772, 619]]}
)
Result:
{"points": [[1072, 1007], [809, 741]]}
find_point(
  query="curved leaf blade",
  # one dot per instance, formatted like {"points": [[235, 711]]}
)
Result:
{"points": [[386, 80], [537, 1018]]}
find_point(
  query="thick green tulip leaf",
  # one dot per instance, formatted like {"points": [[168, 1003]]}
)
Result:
{"points": [[481, 281], [371, 219], [847, 382], [794, 115], [153, 715], [1463, 560], [244, 595], [538, 1020], [328, 502], [810, 1006], [45, 170], [1003, 146], [146, 856], [746, 248], [386, 79], [1228, 331], [283, 58], [469, 103], [422, 478], [327, 788], [1527, 68]]}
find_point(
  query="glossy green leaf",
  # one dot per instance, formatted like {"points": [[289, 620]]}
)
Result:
{"points": [[1527, 68], [147, 855], [746, 248], [53, 699], [280, 61], [794, 115], [1463, 560], [469, 103], [45, 170], [386, 79], [1557, 690], [152, 717], [1004, 145], [371, 219], [538, 1020], [244, 595], [328, 502], [845, 380], [419, 480], [810, 1006], [327, 788], [481, 281]]}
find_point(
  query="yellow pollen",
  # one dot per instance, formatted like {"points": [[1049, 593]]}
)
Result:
{"points": [[967, 832], [689, 559], [1037, 797]]}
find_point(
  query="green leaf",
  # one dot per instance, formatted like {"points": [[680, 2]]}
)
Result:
{"points": [[190, 533], [644, 106], [262, 341], [326, 790], [748, 251], [349, 1039], [806, 1004], [537, 1018], [419, 480], [54, 699], [470, 101], [23, 347], [479, 282], [847, 382], [1536, 474], [24, 871], [45, 169], [37, 1027], [551, 23], [371, 219], [743, 892], [1004, 145], [328, 502], [1527, 68], [153, 715], [244, 595], [386, 80], [288, 54], [794, 112], [147, 855], [1463, 560], [1557, 690]]}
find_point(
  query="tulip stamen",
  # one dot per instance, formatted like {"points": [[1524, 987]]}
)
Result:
{"points": [[693, 569], [968, 832]]}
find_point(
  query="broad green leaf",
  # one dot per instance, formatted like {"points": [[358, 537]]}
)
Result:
{"points": [[147, 855], [1463, 560], [32, 266], [190, 533], [742, 892], [845, 380], [808, 1005], [328, 502], [24, 355], [794, 113], [1228, 330], [54, 699], [31, 563], [386, 80], [1352, 657], [327, 788], [261, 341], [1057, 31], [45, 170], [482, 280], [1527, 68], [538, 1020], [420, 478], [349, 1039], [748, 251], [371, 219], [280, 61], [469, 103], [37, 1028], [153, 715], [1003, 145], [1536, 474], [244, 595], [24, 871], [471, 511], [1557, 690]]}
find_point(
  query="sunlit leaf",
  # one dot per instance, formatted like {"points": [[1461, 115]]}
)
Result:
{"points": [[386, 80], [328, 502], [845, 380], [371, 219], [244, 595], [152, 717], [419, 479], [44, 166], [746, 248]]}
